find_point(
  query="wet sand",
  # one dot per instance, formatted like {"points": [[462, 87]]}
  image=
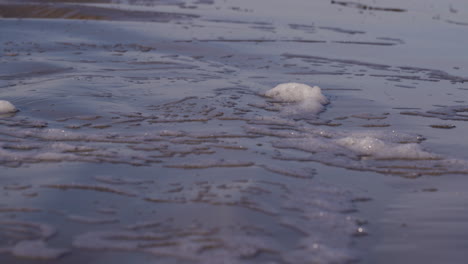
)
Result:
{"points": [[144, 134]]}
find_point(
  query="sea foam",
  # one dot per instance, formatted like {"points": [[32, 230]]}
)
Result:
{"points": [[37, 249], [379, 149], [7, 107], [308, 98]]}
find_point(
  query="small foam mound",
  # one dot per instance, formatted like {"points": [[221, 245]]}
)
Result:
{"points": [[309, 98], [7, 107], [37, 249], [377, 148]]}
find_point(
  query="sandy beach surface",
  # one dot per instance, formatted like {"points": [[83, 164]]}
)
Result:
{"points": [[147, 131]]}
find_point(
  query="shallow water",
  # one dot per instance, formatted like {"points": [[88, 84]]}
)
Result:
{"points": [[144, 133]]}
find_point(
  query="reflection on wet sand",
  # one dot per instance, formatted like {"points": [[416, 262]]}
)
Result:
{"points": [[69, 11]]}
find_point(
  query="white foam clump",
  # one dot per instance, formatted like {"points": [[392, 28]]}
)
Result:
{"points": [[309, 98], [37, 249], [377, 148], [7, 107]]}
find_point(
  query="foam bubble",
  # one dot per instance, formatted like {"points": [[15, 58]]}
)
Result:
{"points": [[7, 107], [309, 98]]}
